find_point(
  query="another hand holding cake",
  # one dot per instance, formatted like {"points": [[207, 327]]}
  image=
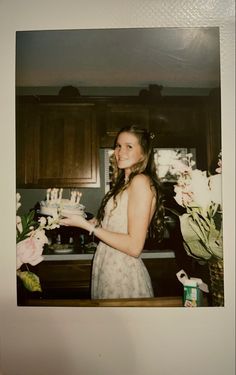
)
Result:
{"points": [[72, 220]]}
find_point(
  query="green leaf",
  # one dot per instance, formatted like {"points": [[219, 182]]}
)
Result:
{"points": [[190, 230], [31, 216], [27, 221], [196, 244], [196, 250], [24, 221], [30, 281], [199, 229]]}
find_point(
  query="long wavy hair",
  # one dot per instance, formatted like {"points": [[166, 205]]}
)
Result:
{"points": [[147, 167]]}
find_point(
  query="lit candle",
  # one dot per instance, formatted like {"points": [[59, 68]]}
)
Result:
{"points": [[73, 193], [57, 195], [48, 194], [54, 194], [78, 196], [60, 194]]}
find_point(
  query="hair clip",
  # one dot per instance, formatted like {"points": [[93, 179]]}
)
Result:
{"points": [[152, 135]]}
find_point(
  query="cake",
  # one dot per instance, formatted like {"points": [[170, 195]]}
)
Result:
{"points": [[55, 205]]}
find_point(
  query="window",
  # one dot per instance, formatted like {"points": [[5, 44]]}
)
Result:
{"points": [[163, 157]]}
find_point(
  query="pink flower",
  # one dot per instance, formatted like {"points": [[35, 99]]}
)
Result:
{"points": [[200, 188], [215, 182], [219, 168], [180, 168], [183, 195], [30, 250]]}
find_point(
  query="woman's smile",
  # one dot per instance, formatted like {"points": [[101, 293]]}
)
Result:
{"points": [[128, 151]]}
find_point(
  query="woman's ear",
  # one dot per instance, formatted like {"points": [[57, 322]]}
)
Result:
{"points": [[142, 157]]}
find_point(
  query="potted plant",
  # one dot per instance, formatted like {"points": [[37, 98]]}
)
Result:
{"points": [[201, 225]]}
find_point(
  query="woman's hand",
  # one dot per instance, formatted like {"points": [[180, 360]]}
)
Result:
{"points": [[75, 221], [93, 221]]}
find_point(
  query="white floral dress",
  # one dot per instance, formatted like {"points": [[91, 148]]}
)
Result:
{"points": [[116, 274]]}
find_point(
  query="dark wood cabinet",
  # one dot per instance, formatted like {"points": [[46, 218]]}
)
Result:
{"points": [[118, 115], [57, 145], [70, 279], [177, 122], [68, 146], [65, 279], [27, 143], [181, 122], [58, 138]]}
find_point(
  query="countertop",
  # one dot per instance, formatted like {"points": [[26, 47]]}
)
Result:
{"points": [[148, 254]]}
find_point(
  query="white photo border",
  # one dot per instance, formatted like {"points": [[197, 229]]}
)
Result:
{"points": [[114, 340]]}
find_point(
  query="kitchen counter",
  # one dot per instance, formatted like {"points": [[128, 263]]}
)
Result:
{"points": [[146, 254], [66, 278]]}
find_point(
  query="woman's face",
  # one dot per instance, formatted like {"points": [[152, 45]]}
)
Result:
{"points": [[128, 151]]}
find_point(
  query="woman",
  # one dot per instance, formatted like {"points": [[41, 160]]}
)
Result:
{"points": [[133, 204]]}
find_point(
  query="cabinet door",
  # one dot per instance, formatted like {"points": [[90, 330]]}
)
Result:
{"points": [[180, 123], [68, 146], [65, 279], [27, 125], [65, 149], [119, 115], [176, 125]]}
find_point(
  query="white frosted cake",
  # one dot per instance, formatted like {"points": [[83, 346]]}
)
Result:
{"points": [[55, 205]]}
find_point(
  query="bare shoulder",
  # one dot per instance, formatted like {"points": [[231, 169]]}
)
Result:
{"points": [[140, 181]]}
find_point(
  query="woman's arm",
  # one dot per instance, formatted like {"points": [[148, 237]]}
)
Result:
{"points": [[139, 216]]}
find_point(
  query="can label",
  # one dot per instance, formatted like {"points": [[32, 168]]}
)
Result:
{"points": [[191, 296]]}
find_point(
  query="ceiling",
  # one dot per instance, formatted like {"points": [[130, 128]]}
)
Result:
{"points": [[171, 57]]}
